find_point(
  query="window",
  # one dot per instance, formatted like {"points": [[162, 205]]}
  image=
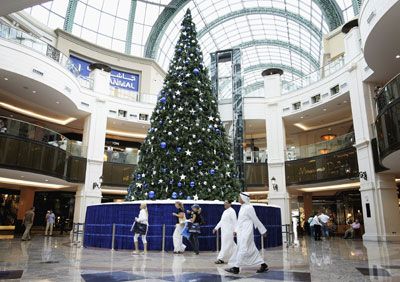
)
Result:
{"points": [[316, 99], [121, 113], [335, 89], [296, 106]]}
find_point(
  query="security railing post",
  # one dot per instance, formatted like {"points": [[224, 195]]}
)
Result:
{"points": [[262, 242], [163, 238], [217, 240], [77, 234], [113, 237]]}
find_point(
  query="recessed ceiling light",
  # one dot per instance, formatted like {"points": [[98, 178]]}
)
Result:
{"points": [[324, 110], [345, 102], [11, 115], [397, 56], [22, 176], [301, 117], [5, 78], [57, 102], [33, 91], [46, 180]]}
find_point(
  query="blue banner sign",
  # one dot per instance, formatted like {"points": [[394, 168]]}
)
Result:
{"points": [[119, 79]]}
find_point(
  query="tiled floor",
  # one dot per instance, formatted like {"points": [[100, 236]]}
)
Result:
{"points": [[55, 259]]}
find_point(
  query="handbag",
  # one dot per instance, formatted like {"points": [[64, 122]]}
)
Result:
{"points": [[194, 228], [139, 228]]}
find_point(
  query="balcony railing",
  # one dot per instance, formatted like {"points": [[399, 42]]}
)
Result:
{"points": [[26, 130], [313, 77], [17, 36], [387, 121], [134, 96], [320, 148], [329, 167]]}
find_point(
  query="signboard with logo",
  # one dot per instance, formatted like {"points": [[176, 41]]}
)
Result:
{"points": [[118, 79]]}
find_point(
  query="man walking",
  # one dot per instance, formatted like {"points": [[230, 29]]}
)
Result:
{"points": [[246, 253], [317, 227], [50, 220], [28, 221], [227, 225], [323, 219]]}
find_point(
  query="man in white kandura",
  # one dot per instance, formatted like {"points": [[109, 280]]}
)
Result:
{"points": [[227, 224], [246, 253]]}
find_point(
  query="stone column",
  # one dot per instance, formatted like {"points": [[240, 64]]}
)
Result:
{"points": [[276, 143], [307, 200], [378, 192], [26, 198], [94, 134]]}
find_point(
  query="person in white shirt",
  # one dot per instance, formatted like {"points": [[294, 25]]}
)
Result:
{"points": [[317, 226], [143, 218], [350, 231], [324, 219], [50, 220], [227, 225], [247, 253]]}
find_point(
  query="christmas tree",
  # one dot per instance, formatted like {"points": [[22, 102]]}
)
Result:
{"points": [[186, 153]]}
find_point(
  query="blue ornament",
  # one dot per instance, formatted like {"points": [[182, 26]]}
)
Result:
{"points": [[174, 195], [212, 171], [171, 182], [138, 176], [188, 198], [192, 184], [200, 162], [179, 50], [163, 100], [164, 170], [163, 145], [196, 71], [180, 193], [151, 194], [178, 149], [179, 184]]}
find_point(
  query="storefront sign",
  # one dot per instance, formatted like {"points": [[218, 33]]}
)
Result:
{"points": [[118, 79]]}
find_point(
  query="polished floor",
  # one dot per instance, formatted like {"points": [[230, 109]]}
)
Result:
{"points": [[56, 259]]}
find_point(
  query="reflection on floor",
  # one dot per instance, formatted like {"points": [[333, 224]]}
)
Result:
{"points": [[55, 259]]}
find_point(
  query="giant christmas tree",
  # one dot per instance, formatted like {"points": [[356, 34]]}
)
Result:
{"points": [[186, 153]]}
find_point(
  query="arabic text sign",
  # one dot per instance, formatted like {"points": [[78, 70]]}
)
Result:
{"points": [[119, 79]]}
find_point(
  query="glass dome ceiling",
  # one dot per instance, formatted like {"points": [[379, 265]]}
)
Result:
{"points": [[271, 33]]}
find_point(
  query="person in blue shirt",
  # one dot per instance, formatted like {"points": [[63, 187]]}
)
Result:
{"points": [[50, 220]]}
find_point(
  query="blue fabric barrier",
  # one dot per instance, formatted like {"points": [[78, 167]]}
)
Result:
{"points": [[100, 219]]}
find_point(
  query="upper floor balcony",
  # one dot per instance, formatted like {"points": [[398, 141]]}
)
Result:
{"points": [[388, 124]]}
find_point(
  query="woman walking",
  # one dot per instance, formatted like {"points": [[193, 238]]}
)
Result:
{"points": [[179, 247], [194, 229], [140, 227]]}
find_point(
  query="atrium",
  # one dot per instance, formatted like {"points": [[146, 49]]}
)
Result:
{"points": [[106, 105]]}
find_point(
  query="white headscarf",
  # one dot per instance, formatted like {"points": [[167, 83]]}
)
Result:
{"points": [[245, 197]]}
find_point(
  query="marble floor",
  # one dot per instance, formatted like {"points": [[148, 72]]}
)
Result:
{"points": [[56, 259]]}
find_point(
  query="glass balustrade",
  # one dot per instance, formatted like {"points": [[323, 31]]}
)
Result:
{"points": [[325, 71], [122, 156], [17, 36], [320, 148], [388, 93], [26, 130]]}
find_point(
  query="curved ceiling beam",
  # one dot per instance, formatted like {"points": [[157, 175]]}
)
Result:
{"points": [[332, 12], [262, 11], [283, 44], [262, 67], [166, 16]]}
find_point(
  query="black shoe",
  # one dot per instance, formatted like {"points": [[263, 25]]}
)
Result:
{"points": [[219, 262], [234, 270], [263, 268]]}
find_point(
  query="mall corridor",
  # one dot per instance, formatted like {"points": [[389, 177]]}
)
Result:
{"points": [[55, 259]]}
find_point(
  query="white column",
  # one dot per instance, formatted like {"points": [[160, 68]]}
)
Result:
{"points": [[378, 192], [94, 134], [276, 144]]}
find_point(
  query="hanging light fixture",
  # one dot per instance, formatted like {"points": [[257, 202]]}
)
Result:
{"points": [[328, 137]]}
